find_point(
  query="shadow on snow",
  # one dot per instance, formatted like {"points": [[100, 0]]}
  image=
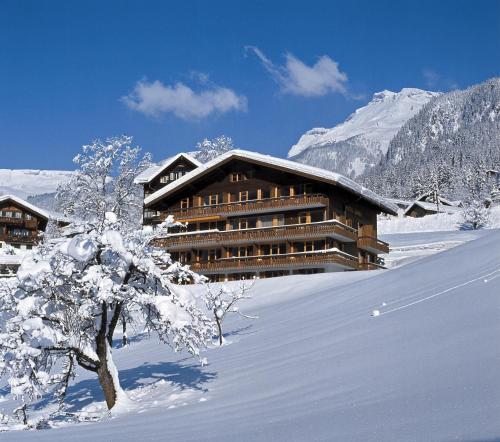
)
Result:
{"points": [[179, 375]]}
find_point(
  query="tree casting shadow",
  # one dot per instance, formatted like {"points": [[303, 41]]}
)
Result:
{"points": [[181, 376]]}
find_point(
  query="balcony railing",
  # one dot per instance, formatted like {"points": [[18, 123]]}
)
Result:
{"points": [[278, 261], [372, 244], [332, 228], [370, 266], [250, 206], [19, 239], [20, 222], [11, 220]]}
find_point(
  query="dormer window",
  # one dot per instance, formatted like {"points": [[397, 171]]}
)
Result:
{"points": [[237, 176]]}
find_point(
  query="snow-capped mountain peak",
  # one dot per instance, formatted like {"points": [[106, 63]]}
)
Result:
{"points": [[367, 131]]}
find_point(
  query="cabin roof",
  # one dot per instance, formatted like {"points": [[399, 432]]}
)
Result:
{"points": [[152, 172], [277, 163], [25, 204], [431, 207]]}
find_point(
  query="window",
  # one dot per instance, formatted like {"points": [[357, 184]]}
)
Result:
{"points": [[266, 221], [244, 196], [211, 200], [265, 193], [303, 217], [278, 249], [151, 214], [252, 194], [28, 216], [240, 252], [285, 191], [237, 176], [184, 203], [18, 215]]}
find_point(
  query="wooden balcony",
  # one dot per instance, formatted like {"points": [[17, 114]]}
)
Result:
{"points": [[19, 239], [370, 266], [270, 262], [248, 207], [372, 244], [11, 220], [19, 222], [333, 229]]}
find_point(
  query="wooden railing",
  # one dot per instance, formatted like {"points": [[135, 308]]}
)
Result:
{"points": [[371, 243], [370, 266], [277, 261], [11, 220], [23, 239], [312, 230], [228, 209], [28, 223]]}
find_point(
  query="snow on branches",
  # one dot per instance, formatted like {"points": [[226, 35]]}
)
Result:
{"points": [[104, 182], [221, 300], [66, 302], [210, 149]]}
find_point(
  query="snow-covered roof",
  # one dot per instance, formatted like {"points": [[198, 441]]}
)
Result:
{"points": [[442, 200], [431, 207], [152, 172], [26, 205], [268, 160]]}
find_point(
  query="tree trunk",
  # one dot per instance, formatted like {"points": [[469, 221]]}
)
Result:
{"points": [[107, 384], [103, 351], [124, 330], [219, 328]]}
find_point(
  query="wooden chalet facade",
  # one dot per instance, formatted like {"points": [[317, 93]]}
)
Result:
{"points": [[250, 215], [20, 227]]}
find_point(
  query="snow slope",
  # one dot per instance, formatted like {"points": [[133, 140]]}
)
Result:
{"points": [[28, 182], [364, 137], [317, 366]]}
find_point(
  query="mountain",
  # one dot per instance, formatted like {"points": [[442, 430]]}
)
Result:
{"points": [[362, 140], [36, 186], [459, 129], [29, 182]]}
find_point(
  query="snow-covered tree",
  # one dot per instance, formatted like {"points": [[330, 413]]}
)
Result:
{"points": [[475, 214], [221, 300], [210, 149], [65, 303], [104, 182]]}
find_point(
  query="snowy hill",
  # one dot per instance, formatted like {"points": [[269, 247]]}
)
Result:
{"points": [[28, 182], [317, 366], [364, 137]]}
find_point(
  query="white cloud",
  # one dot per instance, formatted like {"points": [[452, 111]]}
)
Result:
{"points": [[155, 98], [434, 80], [296, 78], [431, 77]]}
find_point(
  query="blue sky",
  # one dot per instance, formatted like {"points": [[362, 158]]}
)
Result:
{"points": [[262, 72]]}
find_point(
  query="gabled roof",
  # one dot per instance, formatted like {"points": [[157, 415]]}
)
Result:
{"points": [[26, 205], [442, 200], [431, 207], [279, 163], [152, 172]]}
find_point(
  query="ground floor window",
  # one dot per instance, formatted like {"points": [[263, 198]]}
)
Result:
{"points": [[308, 271], [274, 273]]}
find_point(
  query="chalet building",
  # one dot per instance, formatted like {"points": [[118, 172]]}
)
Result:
{"points": [[426, 205], [20, 227], [249, 214], [158, 176]]}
